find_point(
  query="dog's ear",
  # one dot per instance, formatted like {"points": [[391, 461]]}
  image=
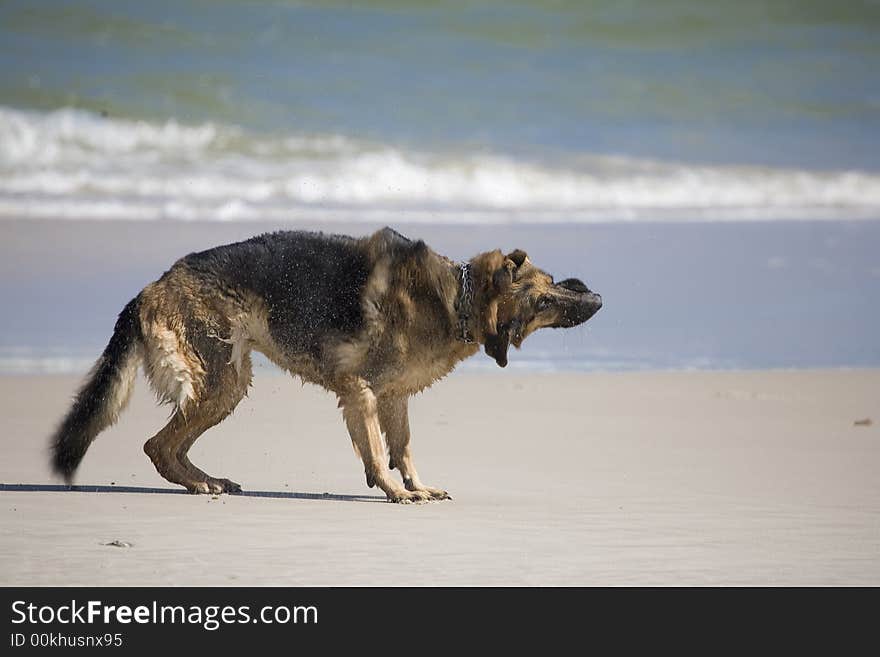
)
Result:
{"points": [[498, 337], [504, 276], [499, 272], [502, 279], [496, 345], [518, 257]]}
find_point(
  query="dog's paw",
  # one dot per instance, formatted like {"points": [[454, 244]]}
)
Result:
{"points": [[408, 496], [437, 494], [433, 493], [213, 486], [229, 486], [199, 488]]}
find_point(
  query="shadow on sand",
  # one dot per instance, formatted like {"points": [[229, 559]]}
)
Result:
{"points": [[52, 488]]}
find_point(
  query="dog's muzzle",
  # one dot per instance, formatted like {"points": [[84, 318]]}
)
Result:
{"points": [[579, 309]]}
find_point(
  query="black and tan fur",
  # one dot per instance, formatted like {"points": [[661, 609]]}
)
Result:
{"points": [[373, 320]]}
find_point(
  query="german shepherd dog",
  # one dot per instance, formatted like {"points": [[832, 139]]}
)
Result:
{"points": [[372, 319]]}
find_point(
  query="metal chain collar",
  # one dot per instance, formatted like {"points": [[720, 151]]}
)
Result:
{"points": [[465, 302]]}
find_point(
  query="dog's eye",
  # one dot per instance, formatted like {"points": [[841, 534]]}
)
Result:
{"points": [[544, 303]]}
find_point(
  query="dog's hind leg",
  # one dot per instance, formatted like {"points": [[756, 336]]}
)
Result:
{"points": [[394, 419], [359, 409], [223, 396], [192, 369], [168, 449], [162, 450]]}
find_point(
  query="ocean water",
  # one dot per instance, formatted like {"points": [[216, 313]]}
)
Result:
{"points": [[543, 123], [74, 164], [452, 111]]}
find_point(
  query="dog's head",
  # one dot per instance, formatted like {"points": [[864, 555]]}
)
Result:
{"points": [[521, 298]]}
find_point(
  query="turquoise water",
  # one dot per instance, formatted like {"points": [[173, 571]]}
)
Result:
{"points": [[450, 111], [784, 83]]}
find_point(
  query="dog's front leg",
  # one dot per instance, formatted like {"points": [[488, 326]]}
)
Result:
{"points": [[360, 410], [394, 419]]}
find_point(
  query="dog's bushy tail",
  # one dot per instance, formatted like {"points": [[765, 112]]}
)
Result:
{"points": [[103, 396]]}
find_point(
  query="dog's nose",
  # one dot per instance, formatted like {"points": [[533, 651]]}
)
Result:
{"points": [[578, 313], [590, 306]]}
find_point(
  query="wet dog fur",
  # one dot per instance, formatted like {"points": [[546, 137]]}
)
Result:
{"points": [[373, 319]]}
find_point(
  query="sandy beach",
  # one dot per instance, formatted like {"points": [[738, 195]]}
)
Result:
{"points": [[699, 478]]}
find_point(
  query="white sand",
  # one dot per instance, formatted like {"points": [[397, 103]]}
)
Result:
{"points": [[659, 478]]}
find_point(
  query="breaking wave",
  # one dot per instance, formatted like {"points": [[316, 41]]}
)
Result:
{"points": [[72, 164]]}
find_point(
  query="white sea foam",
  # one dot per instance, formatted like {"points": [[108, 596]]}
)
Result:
{"points": [[74, 164]]}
